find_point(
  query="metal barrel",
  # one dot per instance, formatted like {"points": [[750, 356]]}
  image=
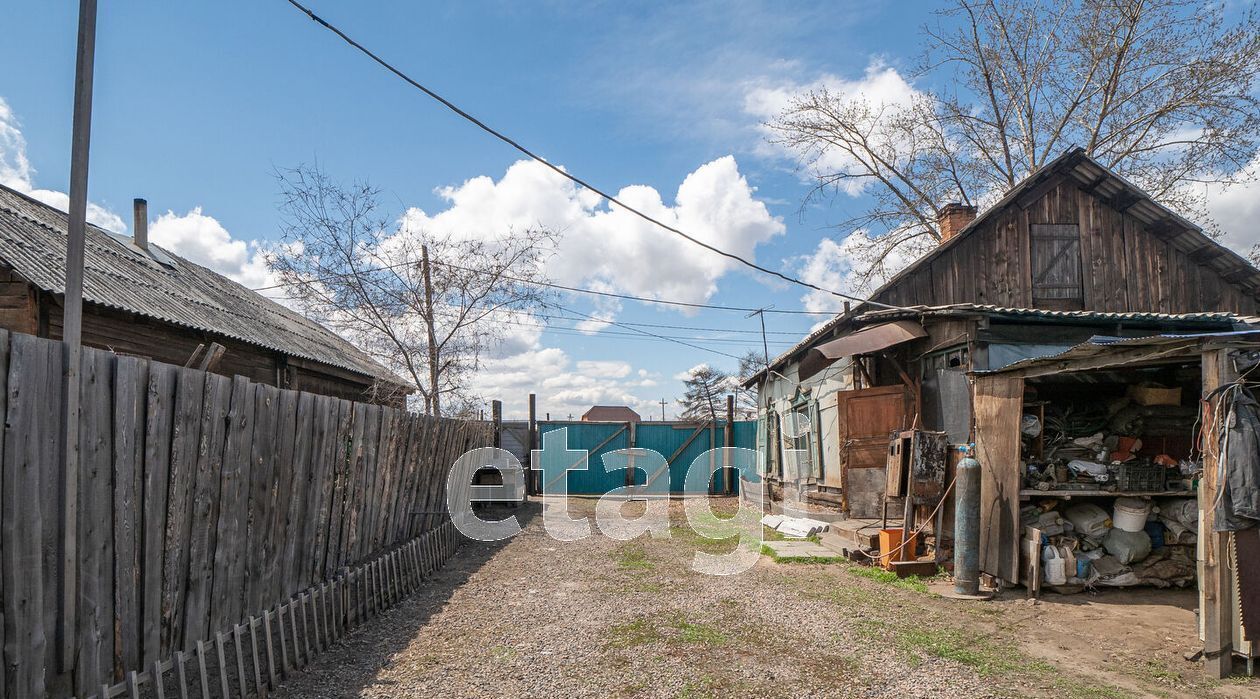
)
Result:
{"points": [[967, 528]]}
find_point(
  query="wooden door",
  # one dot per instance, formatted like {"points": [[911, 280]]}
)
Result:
{"points": [[867, 418]]}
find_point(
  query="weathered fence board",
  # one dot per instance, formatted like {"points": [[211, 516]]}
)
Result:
{"points": [[226, 529]]}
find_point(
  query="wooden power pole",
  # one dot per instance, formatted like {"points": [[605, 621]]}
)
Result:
{"points": [[434, 406], [72, 331]]}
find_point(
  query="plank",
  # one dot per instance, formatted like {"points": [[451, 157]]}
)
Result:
{"points": [[341, 476], [227, 603], [262, 496], [22, 565], [287, 436], [296, 548], [997, 405], [190, 388], [159, 415], [371, 464], [322, 472], [59, 671], [130, 389], [95, 663], [205, 508]]}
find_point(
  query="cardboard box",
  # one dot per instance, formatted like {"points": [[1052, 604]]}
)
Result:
{"points": [[1155, 395]]}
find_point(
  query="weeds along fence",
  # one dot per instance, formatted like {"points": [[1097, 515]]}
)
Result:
{"points": [[226, 530]]}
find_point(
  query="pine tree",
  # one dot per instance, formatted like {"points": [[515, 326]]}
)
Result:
{"points": [[704, 397]]}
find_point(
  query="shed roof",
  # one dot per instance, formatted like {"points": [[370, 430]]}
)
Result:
{"points": [[1104, 351], [165, 287], [1101, 181]]}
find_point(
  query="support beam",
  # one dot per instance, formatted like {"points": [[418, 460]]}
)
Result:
{"points": [[1215, 583]]}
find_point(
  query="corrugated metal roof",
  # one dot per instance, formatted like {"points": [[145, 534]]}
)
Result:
{"points": [[965, 309], [1100, 316], [1177, 344], [120, 276]]}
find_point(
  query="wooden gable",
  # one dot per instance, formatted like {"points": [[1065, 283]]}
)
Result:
{"points": [[1069, 248]]}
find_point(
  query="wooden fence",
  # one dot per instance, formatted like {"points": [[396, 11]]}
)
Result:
{"points": [[205, 502]]}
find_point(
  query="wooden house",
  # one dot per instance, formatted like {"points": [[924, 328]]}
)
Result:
{"points": [[145, 301], [1073, 252]]}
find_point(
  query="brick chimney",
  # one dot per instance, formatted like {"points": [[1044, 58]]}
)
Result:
{"points": [[140, 226], [954, 217]]}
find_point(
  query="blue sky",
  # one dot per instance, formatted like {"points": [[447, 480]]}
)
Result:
{"points": [[196, 103]]}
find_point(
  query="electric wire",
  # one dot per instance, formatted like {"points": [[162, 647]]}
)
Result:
{"points": [[565, 174], [549, 285]]}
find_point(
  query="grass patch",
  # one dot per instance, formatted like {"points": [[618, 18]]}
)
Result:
{"points": [[633, 557], [640, 632], [702, 634], [911, 582], [801, 560], [503, 652], [988, 659]]}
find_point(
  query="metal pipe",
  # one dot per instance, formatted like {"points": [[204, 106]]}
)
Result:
{"points": [[967, 528], [140, 223]]}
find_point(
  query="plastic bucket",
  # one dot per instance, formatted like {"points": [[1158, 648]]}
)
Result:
{"points": [[890, 549], [1130, 514]]}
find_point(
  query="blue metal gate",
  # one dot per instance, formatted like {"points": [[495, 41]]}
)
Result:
{"points": [[678, 443]]}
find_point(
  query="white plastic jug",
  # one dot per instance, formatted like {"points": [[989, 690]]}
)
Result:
{"points": [[1053, 566]]}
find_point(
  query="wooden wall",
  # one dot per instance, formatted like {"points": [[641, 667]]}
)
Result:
{"points": [[202, 500], [1126, 266]]}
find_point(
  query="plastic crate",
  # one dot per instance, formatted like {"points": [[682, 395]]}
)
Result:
{"points": [[1141, 477]]}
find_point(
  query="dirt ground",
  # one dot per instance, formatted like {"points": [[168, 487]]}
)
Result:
{"points": [[537, 617]]}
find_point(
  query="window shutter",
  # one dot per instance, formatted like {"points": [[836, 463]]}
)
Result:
{"points": [[1055, 255]]}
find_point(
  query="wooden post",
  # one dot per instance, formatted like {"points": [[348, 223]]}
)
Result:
{"points": [[72, 330], [1215, 585], [532, 438], [728, 477], [496, 415]]}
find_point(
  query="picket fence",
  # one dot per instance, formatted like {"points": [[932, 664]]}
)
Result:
{"points": [[221, 523]]}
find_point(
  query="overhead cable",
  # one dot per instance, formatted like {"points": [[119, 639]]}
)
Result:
{"points": [[564, 173]]}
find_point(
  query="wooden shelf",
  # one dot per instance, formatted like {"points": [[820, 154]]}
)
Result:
{"points": [[1069, 494]]}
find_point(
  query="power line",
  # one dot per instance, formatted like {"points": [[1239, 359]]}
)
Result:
{"points": [[579, 332], [643, 332], [549, 285], [562, 172]]}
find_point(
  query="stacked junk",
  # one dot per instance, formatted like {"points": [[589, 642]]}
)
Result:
{"points": [[1139, 542], [1092, 449]]}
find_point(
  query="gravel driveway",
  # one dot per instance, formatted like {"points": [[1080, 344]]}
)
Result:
{"points": [[536, 617]]}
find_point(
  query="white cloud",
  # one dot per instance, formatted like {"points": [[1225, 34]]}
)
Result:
{"points": [[204, 240], [611, 248], [881, 87], [1236, 210], [564, 387], [832, 266], [17, 173]]}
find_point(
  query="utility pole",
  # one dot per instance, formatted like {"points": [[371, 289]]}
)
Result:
{"points": [[72, 329], [765, 345], [662, 410], [434, 406]]}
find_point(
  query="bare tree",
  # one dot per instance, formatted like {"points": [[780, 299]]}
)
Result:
{"points": [[427, 306], [1161, 91]]}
